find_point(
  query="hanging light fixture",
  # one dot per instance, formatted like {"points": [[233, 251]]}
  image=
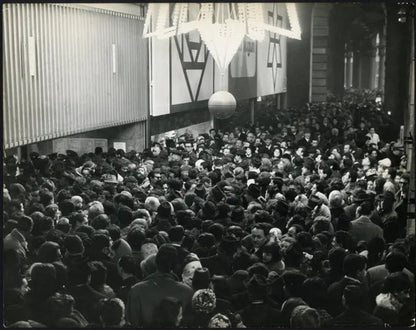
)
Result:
{"points": [[222, 26], [221, 32]]}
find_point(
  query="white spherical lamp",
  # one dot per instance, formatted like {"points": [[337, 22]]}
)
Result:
{"points": [[222, 104]]}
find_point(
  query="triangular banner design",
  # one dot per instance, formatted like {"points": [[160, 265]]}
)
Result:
{"points": [[274, 52], [193, 56]]}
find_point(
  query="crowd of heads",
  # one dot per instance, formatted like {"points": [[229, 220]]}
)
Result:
{"points": [[297, 221]]}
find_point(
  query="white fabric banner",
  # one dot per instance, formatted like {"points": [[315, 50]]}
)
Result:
{"points": [[272, 52], [182, 70]]}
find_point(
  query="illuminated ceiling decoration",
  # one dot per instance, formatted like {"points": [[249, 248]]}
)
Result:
{"points": [[222, 26]]}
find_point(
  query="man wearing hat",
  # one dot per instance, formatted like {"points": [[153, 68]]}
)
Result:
{"points": [[358, 196], [221, 263], [259, 313], [17, 239], [74, 247], [201, 279], [163, 219]]}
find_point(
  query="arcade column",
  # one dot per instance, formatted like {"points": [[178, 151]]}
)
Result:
{"points": [[356, 69], [368, 54], [382, 60]]}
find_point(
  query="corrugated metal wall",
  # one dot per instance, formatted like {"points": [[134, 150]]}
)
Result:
{"points": [[62, 75]]}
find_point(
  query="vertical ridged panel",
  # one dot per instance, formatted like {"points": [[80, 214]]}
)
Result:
{"points": [[25, 73], [35, 85], [16, 59], [74, 88], [77, 61], [7, 138], [53, 82]]}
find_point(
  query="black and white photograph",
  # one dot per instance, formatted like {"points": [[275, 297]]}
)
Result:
{"points": [[208, 165]]}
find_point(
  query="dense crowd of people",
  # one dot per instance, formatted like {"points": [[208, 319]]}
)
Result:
{"points": [[298, 221]]}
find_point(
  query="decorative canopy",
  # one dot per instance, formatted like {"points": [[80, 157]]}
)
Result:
{"points": [[222, 26]]}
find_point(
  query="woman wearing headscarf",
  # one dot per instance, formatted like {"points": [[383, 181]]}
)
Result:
{"points": [[202, 309]]}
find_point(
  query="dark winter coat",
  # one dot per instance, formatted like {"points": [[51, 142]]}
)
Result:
{"points": [[145, 296]]}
